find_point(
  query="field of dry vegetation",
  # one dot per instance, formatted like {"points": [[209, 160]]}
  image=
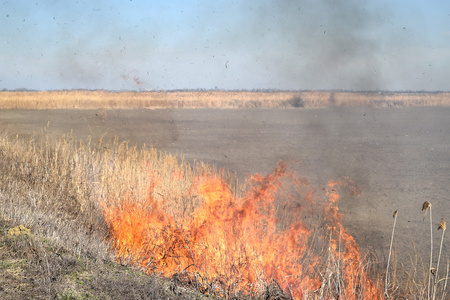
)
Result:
{"points": [[54, 186], [93, 219], [84, 204], [83, 99]]}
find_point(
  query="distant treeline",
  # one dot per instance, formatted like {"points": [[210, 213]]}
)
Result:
{"points": [[93, 99]]}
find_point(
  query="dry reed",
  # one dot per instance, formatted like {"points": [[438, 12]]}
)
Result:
{"points": [[426, 206], [386, 284], [443, 227], [85, 99], [55, 184]]}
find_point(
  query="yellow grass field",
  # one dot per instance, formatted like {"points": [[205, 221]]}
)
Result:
{"points": [[84, 99]]}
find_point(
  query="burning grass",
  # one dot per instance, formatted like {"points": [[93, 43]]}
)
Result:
{"points": [[274, 236]]}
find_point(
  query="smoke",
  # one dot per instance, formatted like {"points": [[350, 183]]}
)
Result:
{"points": [[288, 44], [325, 43], [296, 44], [285, 44]]}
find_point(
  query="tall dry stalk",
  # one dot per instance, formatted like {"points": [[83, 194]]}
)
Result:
{"points": [[425, 207], [443, 226], [389, 258], [446, 279]]}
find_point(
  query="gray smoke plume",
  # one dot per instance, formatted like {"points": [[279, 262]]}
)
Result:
{"points": [[330, 43]]}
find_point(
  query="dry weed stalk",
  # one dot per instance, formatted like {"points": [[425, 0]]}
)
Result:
{"points": [[443, 226], [386, 284], [446, 279], [425, 207]]}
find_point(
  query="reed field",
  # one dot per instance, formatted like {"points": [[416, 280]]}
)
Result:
{"points": [[81, 218], [86, 99]]}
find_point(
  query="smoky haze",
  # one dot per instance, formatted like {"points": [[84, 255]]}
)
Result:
{"points": [[330, 43], [304, 44]]}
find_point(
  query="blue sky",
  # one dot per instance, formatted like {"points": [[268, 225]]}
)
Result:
{"points": [[252, 44]]}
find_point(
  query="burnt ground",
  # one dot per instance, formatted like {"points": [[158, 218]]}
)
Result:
{"points": [[397, 157]]}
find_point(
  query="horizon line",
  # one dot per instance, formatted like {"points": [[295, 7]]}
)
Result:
{"points": [[268, 90]]}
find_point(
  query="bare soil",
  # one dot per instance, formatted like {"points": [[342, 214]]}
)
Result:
{"points": [[397, 157]]}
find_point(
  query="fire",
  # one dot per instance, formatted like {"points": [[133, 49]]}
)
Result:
{"points": [[355, 277], [240, 246]]}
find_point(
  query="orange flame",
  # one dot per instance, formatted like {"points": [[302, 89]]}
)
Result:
{"points": [[242, 245]]}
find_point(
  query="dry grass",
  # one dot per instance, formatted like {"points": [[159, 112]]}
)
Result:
{"points": [[55, 187], [83, 99]]}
